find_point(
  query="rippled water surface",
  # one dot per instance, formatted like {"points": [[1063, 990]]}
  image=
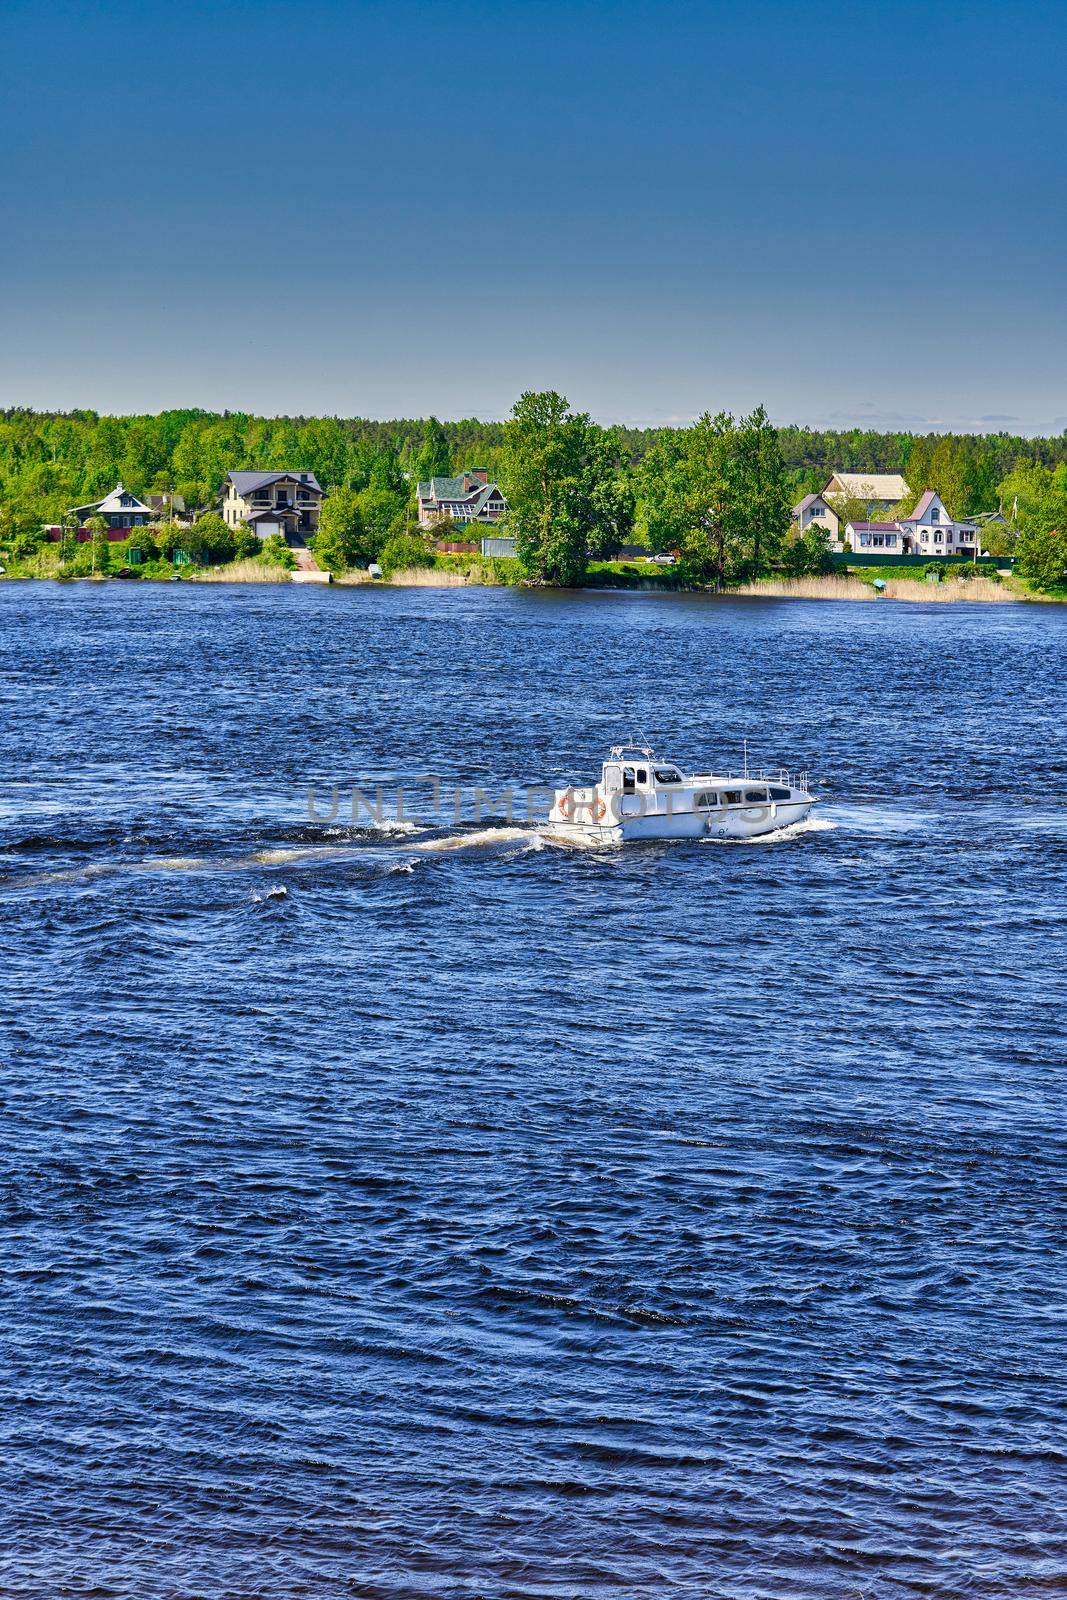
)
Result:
{"points": [[430, 1211]]}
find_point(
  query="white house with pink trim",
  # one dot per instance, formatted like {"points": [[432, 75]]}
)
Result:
{"points": [[929, 531]]}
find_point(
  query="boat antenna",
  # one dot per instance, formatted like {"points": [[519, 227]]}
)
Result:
{"points": [[745, 744]]}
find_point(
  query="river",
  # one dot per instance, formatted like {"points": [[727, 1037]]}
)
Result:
{"points": [[421, 1210]]}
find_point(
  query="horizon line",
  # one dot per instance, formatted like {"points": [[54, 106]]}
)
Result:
{"points": [[992, 425]]}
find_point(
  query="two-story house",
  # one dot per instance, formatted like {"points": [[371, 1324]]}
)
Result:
{"points": [[468, 498], [879, 490], [929, 531], [121, 510], [273, 502]]}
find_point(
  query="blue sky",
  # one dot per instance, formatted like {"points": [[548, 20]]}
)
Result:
{"points": [[850, 213]]}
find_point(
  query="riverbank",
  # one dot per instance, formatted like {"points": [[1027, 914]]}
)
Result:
{"points": [[463, 571]]}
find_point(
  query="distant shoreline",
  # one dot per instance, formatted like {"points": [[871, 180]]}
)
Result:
{"points": [[833, 587]]}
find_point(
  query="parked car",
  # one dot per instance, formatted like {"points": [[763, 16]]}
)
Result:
{"points": [[665, 559]]}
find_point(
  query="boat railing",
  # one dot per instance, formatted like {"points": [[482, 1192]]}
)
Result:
{"points": [[792, 779], [783, 775]]}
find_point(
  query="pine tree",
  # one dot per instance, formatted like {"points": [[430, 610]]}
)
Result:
{"points": [[433, 459]]}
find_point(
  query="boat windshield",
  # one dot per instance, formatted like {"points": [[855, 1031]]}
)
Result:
{"points": [[667, 775]]}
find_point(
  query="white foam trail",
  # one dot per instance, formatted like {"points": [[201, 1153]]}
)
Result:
{"points": [[474, 841], [576, 841], [782, 835]]}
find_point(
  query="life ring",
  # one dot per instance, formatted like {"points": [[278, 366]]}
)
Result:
{"points": [[601, 810], [565, 806]]}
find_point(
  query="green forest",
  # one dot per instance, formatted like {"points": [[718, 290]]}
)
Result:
{"points": [[718, 492]]}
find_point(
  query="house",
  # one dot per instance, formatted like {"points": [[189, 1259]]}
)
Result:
{"points": [[169, 507], [120, 509], [929, 531], [880, 490], [813, 510], [283, 502], [468, 498], [871, 536]]}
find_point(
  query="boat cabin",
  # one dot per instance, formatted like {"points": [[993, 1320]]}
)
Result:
{"points": [[637, 772], [634, 769]]}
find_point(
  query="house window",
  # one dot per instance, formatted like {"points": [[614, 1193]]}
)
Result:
{"points": [[935, 515]]}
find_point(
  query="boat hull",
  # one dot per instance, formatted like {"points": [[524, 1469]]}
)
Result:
{"points": [[728, 822]]}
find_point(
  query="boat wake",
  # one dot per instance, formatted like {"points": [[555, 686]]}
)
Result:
{"points": [[503, 839], [795, 830], [484, 838]]}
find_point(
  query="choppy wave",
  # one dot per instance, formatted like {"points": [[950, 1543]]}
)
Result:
{"points": [[396, 1213]]}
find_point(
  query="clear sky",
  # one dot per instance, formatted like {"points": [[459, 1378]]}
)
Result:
{"points": [[853, 213]]}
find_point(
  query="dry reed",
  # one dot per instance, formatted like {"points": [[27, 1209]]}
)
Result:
{"points": [[951, 589], [431, 578], [835, 587], [248, 571], [829, 588]]}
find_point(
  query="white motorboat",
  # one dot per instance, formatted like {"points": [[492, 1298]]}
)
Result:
{"points": [[641, 797]]}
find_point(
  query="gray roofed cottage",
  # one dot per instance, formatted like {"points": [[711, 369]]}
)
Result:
{"points": [[469, 497]]}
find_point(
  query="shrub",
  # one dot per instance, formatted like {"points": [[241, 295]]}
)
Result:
{"points": [[278, 552], [209, 539], [405, 550], [245, 542], [1043, 558]]}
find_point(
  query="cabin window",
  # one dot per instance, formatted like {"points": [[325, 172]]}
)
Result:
{"points": [[755, 795], [628, 780], [666, 775], [731, 797], [707, 800], [642, 775], [781, 794]]}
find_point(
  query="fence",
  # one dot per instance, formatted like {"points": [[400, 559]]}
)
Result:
{"points": [[499, 547], [850, 558]]}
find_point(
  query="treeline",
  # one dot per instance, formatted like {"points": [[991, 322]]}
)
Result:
{"points": [[599, 487], [55, 459]]}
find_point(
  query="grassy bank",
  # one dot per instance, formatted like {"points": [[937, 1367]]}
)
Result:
{"points": [[455, 571], [45, 563]]}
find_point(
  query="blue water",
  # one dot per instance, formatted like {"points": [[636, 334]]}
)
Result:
{"points": [[476, 1218]]}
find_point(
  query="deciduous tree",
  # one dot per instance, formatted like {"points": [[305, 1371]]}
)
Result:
{"points": [[342, 540], [100, 544], [559, 475]]}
